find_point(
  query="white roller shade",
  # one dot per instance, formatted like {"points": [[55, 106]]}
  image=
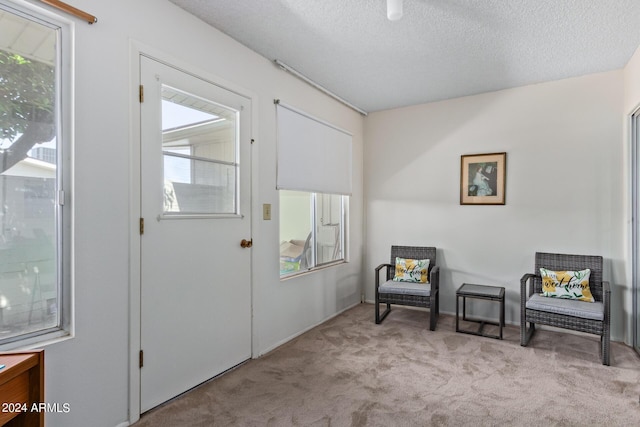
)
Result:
{"points": [[313, 155]]}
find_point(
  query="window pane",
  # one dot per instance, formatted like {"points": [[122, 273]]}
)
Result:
{"points": [[29, 259], [311, 230], [296, 251], [328, 228], [200, 147], [199, 186]]}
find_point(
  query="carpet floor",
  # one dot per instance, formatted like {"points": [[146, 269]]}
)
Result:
{"points": [[351, 372]]}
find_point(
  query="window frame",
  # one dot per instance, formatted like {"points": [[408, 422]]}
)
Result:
{"points": [[318, 221], [634, 137], [64, 172], [315, 221]]}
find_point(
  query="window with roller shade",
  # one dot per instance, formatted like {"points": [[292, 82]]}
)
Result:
{"points": [[314, 182]]}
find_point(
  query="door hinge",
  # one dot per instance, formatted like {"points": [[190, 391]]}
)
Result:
{"points": [[141, 225], [141, 358], [141, 93]]}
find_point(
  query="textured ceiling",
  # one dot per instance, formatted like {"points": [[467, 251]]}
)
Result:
{"points": [[440, 49]]}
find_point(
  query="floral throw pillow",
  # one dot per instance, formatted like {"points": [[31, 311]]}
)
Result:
{"points": [[411, 270], [566, 284]]}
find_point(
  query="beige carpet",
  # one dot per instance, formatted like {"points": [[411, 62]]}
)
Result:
{"points": [[351, 372]]}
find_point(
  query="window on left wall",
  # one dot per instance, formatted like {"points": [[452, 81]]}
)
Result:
{"points": [[34, 170]]}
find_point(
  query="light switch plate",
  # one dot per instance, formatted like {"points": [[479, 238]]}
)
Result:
{"points": [[266, 211]]}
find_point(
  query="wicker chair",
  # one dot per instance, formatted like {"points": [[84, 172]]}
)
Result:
{"points": [[402, 293], [576, 315]]}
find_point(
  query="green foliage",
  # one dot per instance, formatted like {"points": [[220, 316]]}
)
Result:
{"points": [[27, 90]]}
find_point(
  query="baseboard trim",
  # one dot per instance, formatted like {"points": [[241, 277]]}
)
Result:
{"points": [[286, 340]]}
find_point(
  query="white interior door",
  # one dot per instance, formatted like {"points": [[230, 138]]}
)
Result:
{"points": [[195, 202]]}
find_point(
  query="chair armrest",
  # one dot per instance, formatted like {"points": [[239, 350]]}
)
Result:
{"points": [[378, 268], [523, 286], [434, 277]]}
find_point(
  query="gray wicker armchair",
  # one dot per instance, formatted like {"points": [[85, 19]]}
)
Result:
{"points": [[401, 293], [576, 315]]}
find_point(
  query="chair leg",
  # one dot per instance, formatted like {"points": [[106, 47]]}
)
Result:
{"points": [[379, 317], [434, 310], [605, 349], [377, 312], [525, 335]]}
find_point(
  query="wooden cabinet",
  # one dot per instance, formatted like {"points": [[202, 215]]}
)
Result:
{"points": [[22, 388]]}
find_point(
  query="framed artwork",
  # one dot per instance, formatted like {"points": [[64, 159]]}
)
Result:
{"points": [[482, 179]]}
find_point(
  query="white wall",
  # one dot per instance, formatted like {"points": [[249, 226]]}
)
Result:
{"points": [[565, 186], [91, 371]]}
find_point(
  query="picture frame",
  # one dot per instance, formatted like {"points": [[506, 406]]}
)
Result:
{"points": [[482, 179]]}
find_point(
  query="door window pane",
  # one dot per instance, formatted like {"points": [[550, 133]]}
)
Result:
{"points": [[200, 150]]}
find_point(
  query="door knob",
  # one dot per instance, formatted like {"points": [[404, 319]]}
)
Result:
{"points": [[246, 243]]}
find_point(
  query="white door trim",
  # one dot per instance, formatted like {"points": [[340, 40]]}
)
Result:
{"points": [[137, 49]]}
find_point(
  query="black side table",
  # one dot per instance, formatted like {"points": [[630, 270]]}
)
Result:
{"points": [[492, 293]]}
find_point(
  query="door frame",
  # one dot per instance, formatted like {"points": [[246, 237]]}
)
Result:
{"points": [[137, 49]]}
